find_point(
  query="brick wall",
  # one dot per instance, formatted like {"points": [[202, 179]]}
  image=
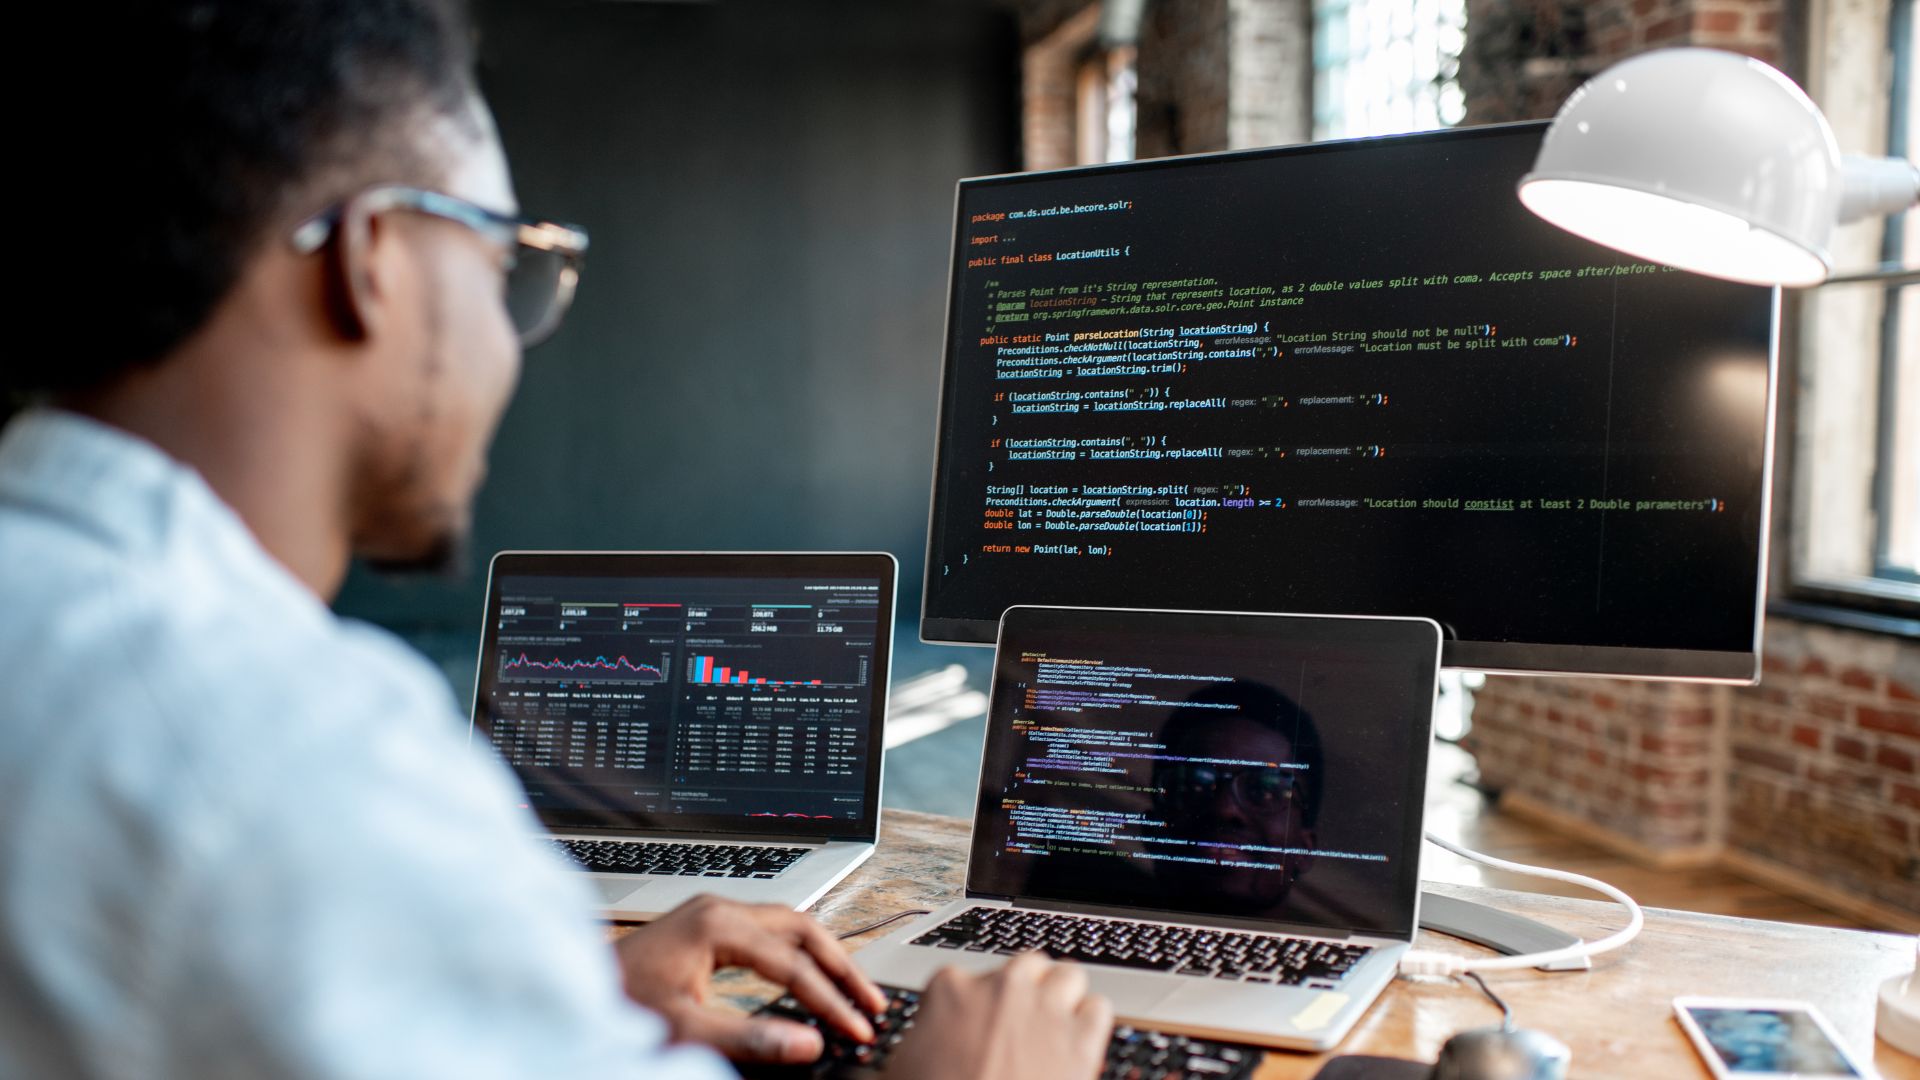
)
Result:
{"points": [[1635, 758], [1270, 73], [1057, 39], [1523, 57], [1623, 27], [1213, 75], [1822, 777], [1811, 778], [1182, 93]]}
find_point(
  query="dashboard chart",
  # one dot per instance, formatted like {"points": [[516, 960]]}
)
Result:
{"points": [[732, 697]]}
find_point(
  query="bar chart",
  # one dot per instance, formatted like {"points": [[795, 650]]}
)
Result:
{"points": [[707, 670]]}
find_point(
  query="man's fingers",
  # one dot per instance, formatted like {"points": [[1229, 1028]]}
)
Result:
{"points": [[1094, 1020], [833, 959], [948, 982], [1063, 986], [776, 957], [1026, 967], [809, 962], [770, 940], [811, 987], [744, 1039]]}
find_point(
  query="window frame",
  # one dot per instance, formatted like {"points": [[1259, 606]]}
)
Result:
{"points": [[1892, 253], [1331, 19], [1884, 601]]}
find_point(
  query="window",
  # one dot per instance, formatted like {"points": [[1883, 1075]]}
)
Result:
{"points": [[1854, 535], [1105, 111], [1897, 547], [1381, 67], [1078, 80]]}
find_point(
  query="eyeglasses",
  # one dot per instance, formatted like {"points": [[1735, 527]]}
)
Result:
{"points": [[542, 257], [1260, 789]]}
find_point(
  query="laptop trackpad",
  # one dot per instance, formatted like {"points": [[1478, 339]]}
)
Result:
{"points": [[614, 889], [1132, 994]]}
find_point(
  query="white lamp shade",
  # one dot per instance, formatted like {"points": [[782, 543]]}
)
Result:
{"points": [[1695, 158]]}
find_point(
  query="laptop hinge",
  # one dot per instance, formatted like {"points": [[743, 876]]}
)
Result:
{"points": [[1225, 922], [670, 836]]}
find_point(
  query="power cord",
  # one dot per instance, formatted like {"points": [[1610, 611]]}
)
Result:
{"points": [[888, 921], [1506, 1013], [1427, 962]]}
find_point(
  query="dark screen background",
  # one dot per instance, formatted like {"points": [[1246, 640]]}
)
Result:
{"points": [[1135, 779], [1573, 460], [696, 693]]}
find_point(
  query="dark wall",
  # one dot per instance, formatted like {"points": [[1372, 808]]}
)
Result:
{"points": [[753, 358]]}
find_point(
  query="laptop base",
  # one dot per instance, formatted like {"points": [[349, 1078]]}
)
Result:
{"points": [[641, 897], [1285, 1017]]}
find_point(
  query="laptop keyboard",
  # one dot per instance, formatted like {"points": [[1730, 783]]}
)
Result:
{"points": [[1132, 1054], [681, 860], [1182, 950]]}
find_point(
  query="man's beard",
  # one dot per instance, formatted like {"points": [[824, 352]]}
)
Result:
{"points": [[446, 558]]}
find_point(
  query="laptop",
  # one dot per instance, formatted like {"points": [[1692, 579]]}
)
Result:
{"points": [[1218, 815], [692, 722]]}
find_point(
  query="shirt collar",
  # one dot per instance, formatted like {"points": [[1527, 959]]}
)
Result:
{"points": [[129, 494]]}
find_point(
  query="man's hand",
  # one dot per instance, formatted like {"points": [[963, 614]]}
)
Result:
{"points": [[667, 964], [1030, 1020]]}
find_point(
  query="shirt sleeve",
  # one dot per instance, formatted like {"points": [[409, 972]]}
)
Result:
{"points": [[370, 902]]}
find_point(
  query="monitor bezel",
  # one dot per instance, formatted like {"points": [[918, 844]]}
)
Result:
{"points": [[878, 565], [1494, 657]]}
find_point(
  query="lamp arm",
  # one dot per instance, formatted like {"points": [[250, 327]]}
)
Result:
{"points": [[1871, 186]]}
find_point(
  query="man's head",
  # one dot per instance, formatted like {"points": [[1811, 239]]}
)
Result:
{"points": [[1243, 769], [238, 120]]}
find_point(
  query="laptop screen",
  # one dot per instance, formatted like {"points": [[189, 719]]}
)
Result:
{"points": [[1265, 768], [735, 693]]}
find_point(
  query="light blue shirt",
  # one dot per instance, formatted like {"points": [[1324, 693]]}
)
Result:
{"points": [[240, 837]]}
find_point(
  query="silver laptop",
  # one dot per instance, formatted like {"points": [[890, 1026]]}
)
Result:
{"points": [[693, 722], [1218, 815]]}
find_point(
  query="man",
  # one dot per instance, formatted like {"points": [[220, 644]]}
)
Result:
{"points": [[238, 837]]}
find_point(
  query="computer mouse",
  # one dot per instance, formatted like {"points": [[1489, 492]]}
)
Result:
{"points": [[1502, 1054]]}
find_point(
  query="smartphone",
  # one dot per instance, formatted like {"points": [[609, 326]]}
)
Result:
{"points": [[1765, 1039]]}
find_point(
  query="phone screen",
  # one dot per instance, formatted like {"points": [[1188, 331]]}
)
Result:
{"points": [[1770, 1041]]}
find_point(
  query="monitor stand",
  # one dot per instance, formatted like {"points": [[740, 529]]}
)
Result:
{"points": [[1507, 934]]}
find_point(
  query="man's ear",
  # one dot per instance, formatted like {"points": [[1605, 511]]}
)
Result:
{"points": [[355, 288]]}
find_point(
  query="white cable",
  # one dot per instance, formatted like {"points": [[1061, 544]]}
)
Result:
{"points": [[1427, 962]]}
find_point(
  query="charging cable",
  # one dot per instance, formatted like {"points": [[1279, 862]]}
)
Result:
{"points": [[888, 921], [1427, 962]]}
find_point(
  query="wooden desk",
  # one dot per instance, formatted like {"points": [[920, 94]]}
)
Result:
{"points": [[1617, 1018]]}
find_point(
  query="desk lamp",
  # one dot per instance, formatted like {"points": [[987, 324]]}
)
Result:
{"points": [[1711, 162], [1898, 1018], [1716, 163]]}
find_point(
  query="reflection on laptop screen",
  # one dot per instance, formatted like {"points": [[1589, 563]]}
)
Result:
{"points": [[1257, 767], [657, 701]]}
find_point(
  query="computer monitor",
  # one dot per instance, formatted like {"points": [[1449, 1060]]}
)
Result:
{"points": [[1355, 378]]}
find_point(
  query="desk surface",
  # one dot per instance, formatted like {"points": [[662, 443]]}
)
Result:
{"points": [[1617, 1017]]}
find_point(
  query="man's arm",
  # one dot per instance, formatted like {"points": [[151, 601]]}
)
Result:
{"points": [[369, 901]]}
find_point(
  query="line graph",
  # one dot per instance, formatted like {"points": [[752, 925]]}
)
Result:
{"points": [[527, 665]]}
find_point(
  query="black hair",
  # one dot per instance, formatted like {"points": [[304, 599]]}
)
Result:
{"points": [[225, 120], [1272, 710]]}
